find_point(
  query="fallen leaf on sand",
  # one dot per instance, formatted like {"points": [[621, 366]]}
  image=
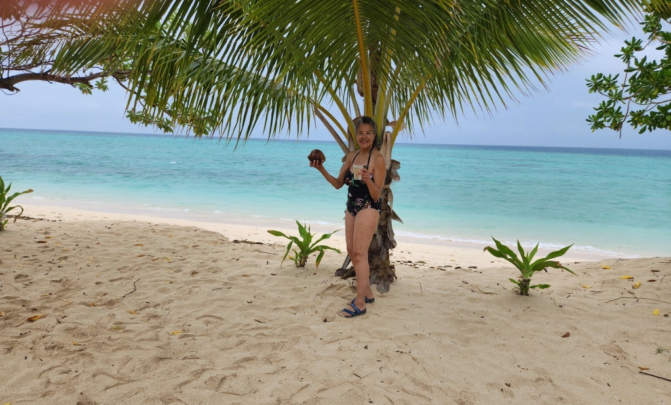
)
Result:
{"points": [[644, 368], [586, 286], [651, 281], [7, 403], [605, 267], [246, 275], [47, 237], [36, 317], [140, 255], [169, 236], [94, 304], [627, 277], [2, 314], [176, 332], [565, 335], [138, 244], [167, 259], [42, 241], [655, 312], [636, 285], [153, 260], [132, 312], [75, 343]]}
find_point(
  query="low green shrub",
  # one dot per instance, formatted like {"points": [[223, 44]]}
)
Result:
{"points": [[525, 264], [5, 200], [304, 245]]}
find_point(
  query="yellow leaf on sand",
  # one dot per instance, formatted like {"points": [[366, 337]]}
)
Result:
{"points": [[605, 267], [176, 332], [2, 314], [138, 244], [132, 312], [644, 368], [8, 403], [626, 277], [246, 275], [75, 343], [636, 285], [36, 317], [94, 304], [586, 286], [655, 312]]}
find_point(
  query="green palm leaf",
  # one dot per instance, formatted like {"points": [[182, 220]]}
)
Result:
{"points": [[245, 63]]}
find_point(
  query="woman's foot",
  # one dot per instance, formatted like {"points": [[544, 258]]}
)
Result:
{"points": [[353, 309]]}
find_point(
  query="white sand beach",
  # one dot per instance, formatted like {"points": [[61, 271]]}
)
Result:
{"points": [[140, 311]]}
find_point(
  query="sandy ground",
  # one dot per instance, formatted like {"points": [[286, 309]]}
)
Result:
{"points": [[147, 313]]}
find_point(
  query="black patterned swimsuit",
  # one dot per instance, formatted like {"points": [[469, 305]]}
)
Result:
{"points": [[358, 196]]}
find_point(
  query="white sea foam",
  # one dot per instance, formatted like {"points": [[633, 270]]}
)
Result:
{"points": [[321, 222], [526, 244]]}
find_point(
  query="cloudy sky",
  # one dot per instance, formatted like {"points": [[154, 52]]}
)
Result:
{"points": [[549, 117]]}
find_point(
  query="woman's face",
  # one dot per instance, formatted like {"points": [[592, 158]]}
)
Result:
{"points": [[365, 136]]}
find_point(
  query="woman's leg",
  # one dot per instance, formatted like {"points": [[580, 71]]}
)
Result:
{"points": [[365, 224], [349, 232]]}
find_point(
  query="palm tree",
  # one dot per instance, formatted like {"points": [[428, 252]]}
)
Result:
{"points": [[280, 64]]}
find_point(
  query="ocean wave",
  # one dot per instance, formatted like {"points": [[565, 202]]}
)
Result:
{"points": [[526, 244]]}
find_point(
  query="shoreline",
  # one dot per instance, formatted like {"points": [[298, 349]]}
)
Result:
{"points": [[433, 252]]}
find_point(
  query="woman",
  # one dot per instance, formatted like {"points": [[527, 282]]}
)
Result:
{"points": [[364, 173]]}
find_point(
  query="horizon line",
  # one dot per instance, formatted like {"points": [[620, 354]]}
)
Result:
{"points": [[312, 140]]}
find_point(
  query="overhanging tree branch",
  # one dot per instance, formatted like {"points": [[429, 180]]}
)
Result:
{"points": [[10, 82]]}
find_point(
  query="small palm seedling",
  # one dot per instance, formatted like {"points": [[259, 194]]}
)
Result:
{"points": [[5, 200], [304, 245], [525, 264]]}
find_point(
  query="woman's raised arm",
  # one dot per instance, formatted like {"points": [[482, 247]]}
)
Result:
{"points": [[335, 182]]}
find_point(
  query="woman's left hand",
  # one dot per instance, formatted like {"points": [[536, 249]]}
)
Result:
{"points": [[365, 174]]}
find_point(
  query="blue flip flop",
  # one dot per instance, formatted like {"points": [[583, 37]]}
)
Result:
{"points": [[354, 313]]}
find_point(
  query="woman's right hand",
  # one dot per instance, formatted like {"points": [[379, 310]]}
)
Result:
{"points": [[317, 164]]}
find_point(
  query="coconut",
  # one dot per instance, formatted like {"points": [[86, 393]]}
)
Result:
{"points": [[317, 155]]}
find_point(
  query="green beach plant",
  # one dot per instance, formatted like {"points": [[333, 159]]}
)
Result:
{"points": [[525, 264], [305, 245], [5, 200]]}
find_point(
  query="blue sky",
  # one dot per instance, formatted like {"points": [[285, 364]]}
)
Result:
{"points": [[549, 117]]}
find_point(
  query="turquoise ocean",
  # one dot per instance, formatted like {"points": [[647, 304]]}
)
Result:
{"points": [[603, 200]]}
